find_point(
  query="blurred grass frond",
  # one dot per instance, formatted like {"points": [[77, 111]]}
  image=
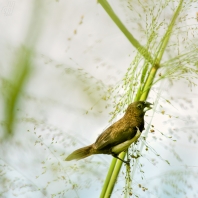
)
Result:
{"points": [[21, 68], [12, 92]]}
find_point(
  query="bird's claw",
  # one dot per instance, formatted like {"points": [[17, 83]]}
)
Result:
{"points": [[127, 162]]}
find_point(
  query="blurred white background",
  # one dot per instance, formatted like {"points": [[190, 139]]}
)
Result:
{"points": [[78, 53]]}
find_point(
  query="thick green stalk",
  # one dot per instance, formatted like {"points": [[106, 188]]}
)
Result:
{"points": [[143, 51], [106, 183], [115, 167], [159, 54], [149, 82], [166, 37], [114, 176], [153, 71]]}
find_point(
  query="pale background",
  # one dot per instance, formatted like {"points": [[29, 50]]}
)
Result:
{"points": [[78, 54]]}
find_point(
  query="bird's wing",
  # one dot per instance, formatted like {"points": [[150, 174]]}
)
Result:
{"points": [[117, 133]]}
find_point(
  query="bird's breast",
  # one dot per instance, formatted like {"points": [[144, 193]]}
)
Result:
{"points": [[136, 122]]}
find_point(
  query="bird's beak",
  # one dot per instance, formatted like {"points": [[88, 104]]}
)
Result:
{"points": [[147, 106]]}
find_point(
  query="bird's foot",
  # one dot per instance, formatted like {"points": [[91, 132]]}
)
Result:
{"points": [[126, 162]]}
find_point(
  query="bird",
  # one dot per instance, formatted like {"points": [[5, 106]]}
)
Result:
{"points": [[119, 136]]}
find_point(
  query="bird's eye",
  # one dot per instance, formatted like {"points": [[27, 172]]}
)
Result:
{"points": [[139, 106]]}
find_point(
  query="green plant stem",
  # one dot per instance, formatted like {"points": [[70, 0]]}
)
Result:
{"points": [[159, 54], [149, 82], [167, 35], [141, 95], [106, 183], [143, 51], [114, 176], [146, 135], [115, 167]]}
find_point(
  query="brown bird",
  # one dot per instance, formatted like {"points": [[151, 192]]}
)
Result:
{"points": [[119, 136]]}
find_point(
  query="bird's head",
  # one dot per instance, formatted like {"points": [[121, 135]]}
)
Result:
{"points": [[139, 107]]}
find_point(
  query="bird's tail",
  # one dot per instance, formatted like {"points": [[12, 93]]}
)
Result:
{"points": [[80, 153]]}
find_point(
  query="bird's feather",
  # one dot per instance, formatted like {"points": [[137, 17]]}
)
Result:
{"points": [[117, 133]]}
